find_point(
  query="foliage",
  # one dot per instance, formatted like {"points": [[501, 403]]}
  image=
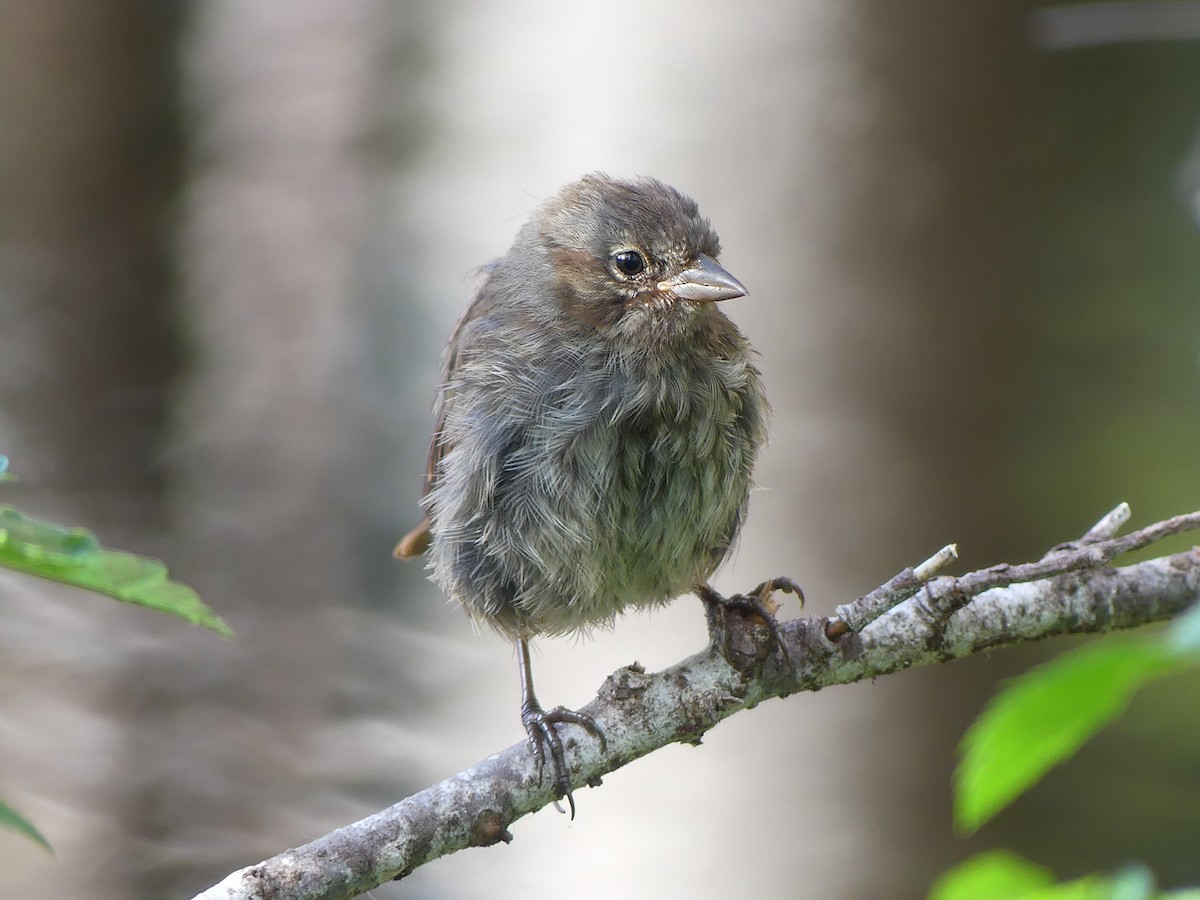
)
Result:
{"points": [[10, 818], [73, 556], [1042, 717], [1039, 720], [1000, 875]]}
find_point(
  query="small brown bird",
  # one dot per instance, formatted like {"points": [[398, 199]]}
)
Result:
{"points": [[596, 426]]}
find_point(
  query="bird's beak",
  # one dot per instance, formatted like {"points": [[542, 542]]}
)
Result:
{"points": [[705, 282]]}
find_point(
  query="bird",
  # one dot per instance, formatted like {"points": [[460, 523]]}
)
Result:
{"points": [[596, 428]]}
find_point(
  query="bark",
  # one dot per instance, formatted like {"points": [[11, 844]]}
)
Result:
{"points": [[917, 618]]}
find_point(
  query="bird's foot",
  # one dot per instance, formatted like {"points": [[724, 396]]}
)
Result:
{"points": [[756, 602], [539, 726]]}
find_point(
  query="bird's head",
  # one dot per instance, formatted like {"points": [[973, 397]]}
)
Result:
{"points": [[631, 255]]}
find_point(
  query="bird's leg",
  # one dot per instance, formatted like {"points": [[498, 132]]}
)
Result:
{"points": [[754, 602], [539, 726]]}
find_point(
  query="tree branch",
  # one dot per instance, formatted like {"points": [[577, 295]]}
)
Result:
{"points": [[916, 618]]}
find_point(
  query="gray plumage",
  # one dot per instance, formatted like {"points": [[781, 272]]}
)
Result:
{"points": [[596, 428]]}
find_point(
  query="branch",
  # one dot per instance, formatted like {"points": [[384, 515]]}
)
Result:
{"points": [[917, 618]]}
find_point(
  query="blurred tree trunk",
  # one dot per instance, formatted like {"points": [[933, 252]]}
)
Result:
{"points": [[89, 169], [905, 269], [224, 751], [89, 166]]}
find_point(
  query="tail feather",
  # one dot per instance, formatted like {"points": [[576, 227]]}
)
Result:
{"points": [[415, 542]]}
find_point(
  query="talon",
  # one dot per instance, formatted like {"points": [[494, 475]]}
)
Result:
{"points": [[754, 602], [779, 583], [539, 726]]}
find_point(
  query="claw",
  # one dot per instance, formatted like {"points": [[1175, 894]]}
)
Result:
{"points": [[779, 583], [754, 601], [539, 727]]}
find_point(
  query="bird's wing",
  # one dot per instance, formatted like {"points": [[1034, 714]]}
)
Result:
{"points": [[417, 541]]}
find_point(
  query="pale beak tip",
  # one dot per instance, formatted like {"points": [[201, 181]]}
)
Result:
{"points": [[705, 281]]}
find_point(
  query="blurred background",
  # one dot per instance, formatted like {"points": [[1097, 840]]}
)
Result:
{"points": [[233, 238]]}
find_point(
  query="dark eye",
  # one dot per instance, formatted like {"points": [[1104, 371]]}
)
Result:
{"points": [[629, 262]]}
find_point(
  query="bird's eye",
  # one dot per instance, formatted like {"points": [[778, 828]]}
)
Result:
{"points": [[629, 262]]}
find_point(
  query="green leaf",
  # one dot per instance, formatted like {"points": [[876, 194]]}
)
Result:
{"points": [[1042, 717], [1000, 875], [10, 818], [5, 475], [74, 556], [997, 873]]}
